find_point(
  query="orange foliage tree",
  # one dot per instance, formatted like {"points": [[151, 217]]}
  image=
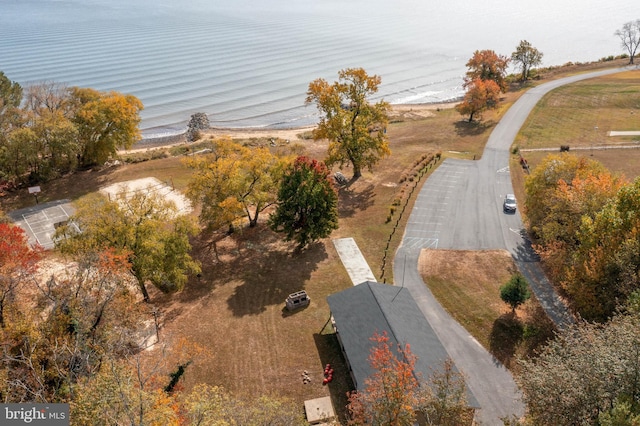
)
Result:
{"points": [[488, 65], [17, 262], [390, 396], [481, 95]]}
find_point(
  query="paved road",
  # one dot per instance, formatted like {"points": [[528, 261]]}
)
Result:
{"points": [[460, 207]]}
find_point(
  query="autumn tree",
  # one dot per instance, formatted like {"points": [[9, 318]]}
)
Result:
{"points": [[18, 262], [390, 395], [585, 371], [526, 57], [234, 182], [125, 391], [515, 291], [487, 65], [565, 194], [307, 208], [481, 95], [106, 122], [71, 323], [443, 399], [142, 225], [607, 261], [48, 116], [629, 36], [355, 128]]}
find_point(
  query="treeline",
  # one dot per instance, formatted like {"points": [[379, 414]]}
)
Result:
{"points": [[50, 129], [586, 223]]}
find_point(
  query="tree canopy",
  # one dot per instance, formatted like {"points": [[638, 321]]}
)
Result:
{"points": [[394, 395], [143, 226], [355, 128], [234, 182], [105, 123], [10, 93], [198, 122], [62, 329], [18, 262], [55, 129], [307, 208], [526, 57], [515, 291], [588, 370], [481, 95], [629, 36], [488, 65], [572, 212]]}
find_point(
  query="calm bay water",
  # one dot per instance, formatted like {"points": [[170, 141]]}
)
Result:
{"points": [[248, 63]]}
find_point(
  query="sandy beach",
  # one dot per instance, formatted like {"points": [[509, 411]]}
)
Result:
{"points": [[400, 111]]}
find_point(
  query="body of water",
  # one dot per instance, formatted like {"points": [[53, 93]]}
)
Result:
{"points": [[248, 63]]}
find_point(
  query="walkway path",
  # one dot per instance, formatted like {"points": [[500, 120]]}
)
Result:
{"points": [[460, 207]]}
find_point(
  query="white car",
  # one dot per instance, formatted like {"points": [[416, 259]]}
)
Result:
{"points": [[509, 203]]}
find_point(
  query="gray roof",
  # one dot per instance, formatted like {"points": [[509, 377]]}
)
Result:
{"points": [[367, 308]]}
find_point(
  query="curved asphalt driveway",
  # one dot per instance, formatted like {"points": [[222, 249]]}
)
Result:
{"points": [[460, 207]]}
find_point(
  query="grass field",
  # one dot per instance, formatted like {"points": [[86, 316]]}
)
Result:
{"points": [[235, 309]]}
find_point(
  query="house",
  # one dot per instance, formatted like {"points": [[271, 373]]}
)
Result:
{"points": [[362, 310]]}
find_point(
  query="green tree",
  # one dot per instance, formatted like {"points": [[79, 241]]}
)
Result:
{"points": [[144, 226], [481, 95], [515, 291], [48, 116], [105, 122], [307, 207], [620, 415], [10, 94], [526, 57], [355, 128], [488, 65], [629, 36], [19, 155], [234, 182]]}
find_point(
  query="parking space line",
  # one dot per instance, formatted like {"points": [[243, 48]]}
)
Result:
{"points": [[31, 229]]}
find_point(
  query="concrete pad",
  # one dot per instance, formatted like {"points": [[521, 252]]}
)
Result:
{"points": [[165, 189], [39, 222], [625, 133], [319, 410], [352, 259]]}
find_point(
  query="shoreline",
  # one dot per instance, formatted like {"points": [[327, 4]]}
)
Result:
{"points": [[409, 111]]}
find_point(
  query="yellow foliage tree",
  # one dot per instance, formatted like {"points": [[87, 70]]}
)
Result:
{"points": [[105, 122], [356, 129], [234, 182]]}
